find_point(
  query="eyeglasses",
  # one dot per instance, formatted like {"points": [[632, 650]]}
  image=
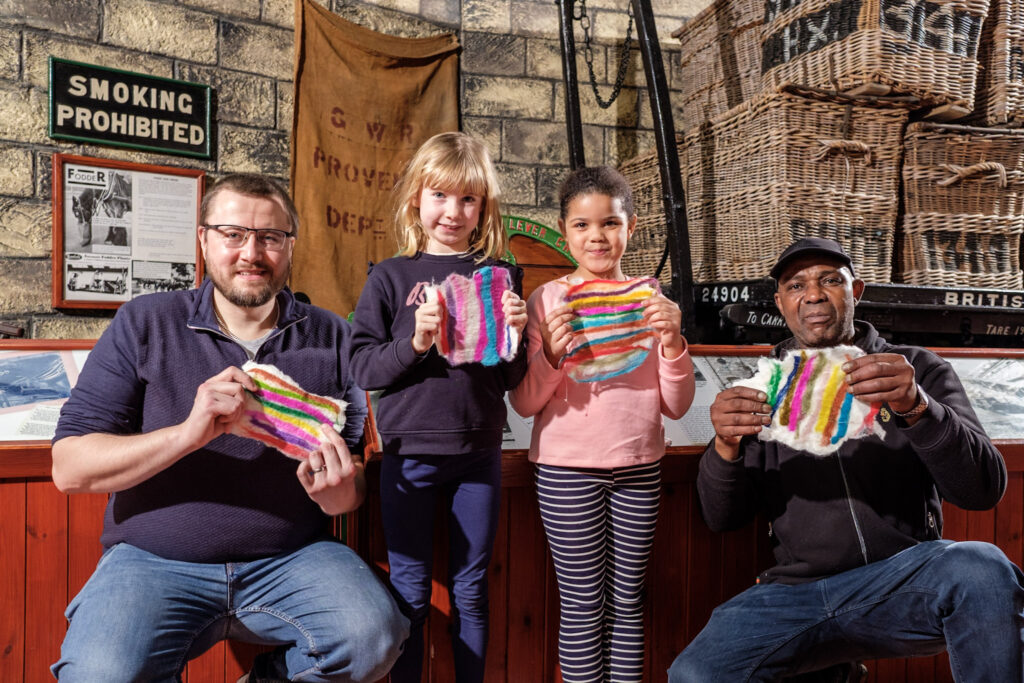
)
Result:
{"points": [[235, 236]]}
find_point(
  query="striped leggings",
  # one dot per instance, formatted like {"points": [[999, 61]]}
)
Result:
{"points": [[600, 525]]}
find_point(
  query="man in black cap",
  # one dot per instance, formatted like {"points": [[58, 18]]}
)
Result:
{"points": [[861, 571]]}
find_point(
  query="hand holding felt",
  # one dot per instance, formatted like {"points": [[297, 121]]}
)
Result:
{"points": [[282, 415], [611, 336], [812, 408], [473, 325]]}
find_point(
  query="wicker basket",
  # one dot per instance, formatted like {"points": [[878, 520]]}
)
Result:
{"points": [[914, 47], [720, 65], [647, 245], [1001, 83], [964, 200], [795, 164]]}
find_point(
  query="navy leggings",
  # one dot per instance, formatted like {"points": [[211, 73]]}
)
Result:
{"points": [[469, 485], [600, 525]]}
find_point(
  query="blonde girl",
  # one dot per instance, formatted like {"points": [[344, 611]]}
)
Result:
{"points": [[440, 424]]}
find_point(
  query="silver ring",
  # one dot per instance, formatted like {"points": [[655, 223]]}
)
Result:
{"points": [[318, 470]]}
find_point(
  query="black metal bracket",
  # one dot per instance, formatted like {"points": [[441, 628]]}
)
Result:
{"points": [[677, 233]]}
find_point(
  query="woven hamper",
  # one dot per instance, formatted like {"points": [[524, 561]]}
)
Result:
{"points": [[796, 163], [915, 47], [720, 60], [963, 199], [1000, 97], [647, 244]]}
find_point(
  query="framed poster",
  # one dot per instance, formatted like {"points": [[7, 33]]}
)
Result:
{"points": [[122, 229]]}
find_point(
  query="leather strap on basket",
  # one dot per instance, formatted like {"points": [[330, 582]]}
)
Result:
{"points": [[964, 172]]}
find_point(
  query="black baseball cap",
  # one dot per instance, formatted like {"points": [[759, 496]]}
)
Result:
{"points": [[811, 245]]}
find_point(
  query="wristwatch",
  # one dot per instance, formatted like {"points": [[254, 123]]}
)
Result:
{"points": [[919, 407]]}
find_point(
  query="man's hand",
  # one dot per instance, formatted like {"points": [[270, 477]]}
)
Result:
{"points": [[556, 333], [514, 310], [738, 412], [665, 318], [218, 404], [332, 477], [885, 377], [428, 324]]}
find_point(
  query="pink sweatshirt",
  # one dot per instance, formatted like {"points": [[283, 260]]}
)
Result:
{"points": [[609, 423]]}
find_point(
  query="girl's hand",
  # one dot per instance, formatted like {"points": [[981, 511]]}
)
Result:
{"points": [[428, 324], [665, 318], [514, 310], [556, 332]]}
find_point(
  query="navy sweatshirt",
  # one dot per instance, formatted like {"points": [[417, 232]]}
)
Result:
{"points": [[870, 499], [427, 407], [234, 499]]}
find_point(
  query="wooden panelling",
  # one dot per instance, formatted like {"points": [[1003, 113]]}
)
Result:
{"points": [[49, 544]]}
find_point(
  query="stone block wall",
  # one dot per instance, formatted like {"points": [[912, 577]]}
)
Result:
{"points": [[511, 90]]}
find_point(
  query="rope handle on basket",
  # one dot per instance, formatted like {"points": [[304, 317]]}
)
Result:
{"points": [[845, 147], [964, 172]]}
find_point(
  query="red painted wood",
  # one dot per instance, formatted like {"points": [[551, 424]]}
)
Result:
{"points": [[12, 580], [1010, 519], [691, 570], [667, 575], [526, 613], [85, 525], [497, 583], [208, 666], [440, 664], [46, 590], [704, 570]]}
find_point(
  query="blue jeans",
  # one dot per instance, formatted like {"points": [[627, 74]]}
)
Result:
{"points": [[469, 485], [966, 598], [141, 617]]}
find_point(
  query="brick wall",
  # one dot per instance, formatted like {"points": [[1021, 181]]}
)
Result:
{"points": [[511, 84]]}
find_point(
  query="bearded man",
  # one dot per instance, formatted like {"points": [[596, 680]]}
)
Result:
{"points": [[207, 535]]}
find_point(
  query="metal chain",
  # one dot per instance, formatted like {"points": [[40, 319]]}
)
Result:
{"points": [[588, 54]]}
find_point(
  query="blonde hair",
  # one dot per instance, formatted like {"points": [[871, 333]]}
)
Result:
{"points": [[451, 162]]}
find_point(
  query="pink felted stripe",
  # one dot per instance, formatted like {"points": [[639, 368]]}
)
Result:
{"points": [[481, 341], [794, 415]]}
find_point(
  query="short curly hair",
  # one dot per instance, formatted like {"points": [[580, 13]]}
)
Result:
{"points": [[595, 180]]}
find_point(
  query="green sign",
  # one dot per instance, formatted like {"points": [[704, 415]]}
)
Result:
{"points": [[514, 225]]}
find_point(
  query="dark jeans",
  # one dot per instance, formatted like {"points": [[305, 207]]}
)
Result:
{"points": [[966, 598], [470, 486]]}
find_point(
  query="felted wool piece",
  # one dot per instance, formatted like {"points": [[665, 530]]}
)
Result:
{"points": [[283, 416], [811, 408], [611, 336], [473, 328]]}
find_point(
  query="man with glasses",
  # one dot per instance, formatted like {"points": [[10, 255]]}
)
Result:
{"points": [[210, 536]]}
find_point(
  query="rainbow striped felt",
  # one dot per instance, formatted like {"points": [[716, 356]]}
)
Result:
{"points": [[811, 408], [473, 328], [611, 336], [283, 416]]}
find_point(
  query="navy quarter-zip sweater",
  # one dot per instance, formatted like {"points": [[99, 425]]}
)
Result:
{"points": [[870, 499], [234, 499]]}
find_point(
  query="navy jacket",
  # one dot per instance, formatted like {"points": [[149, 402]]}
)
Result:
{"points": [[235, 499], [870, 499]]}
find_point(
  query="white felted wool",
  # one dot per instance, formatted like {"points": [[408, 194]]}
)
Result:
{"points": [[812, 410]]}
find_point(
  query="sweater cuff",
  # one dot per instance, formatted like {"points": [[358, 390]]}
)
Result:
{"points": [[718, 467], [678, 367], [930, 428], [545, 373], [406, 354]]}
